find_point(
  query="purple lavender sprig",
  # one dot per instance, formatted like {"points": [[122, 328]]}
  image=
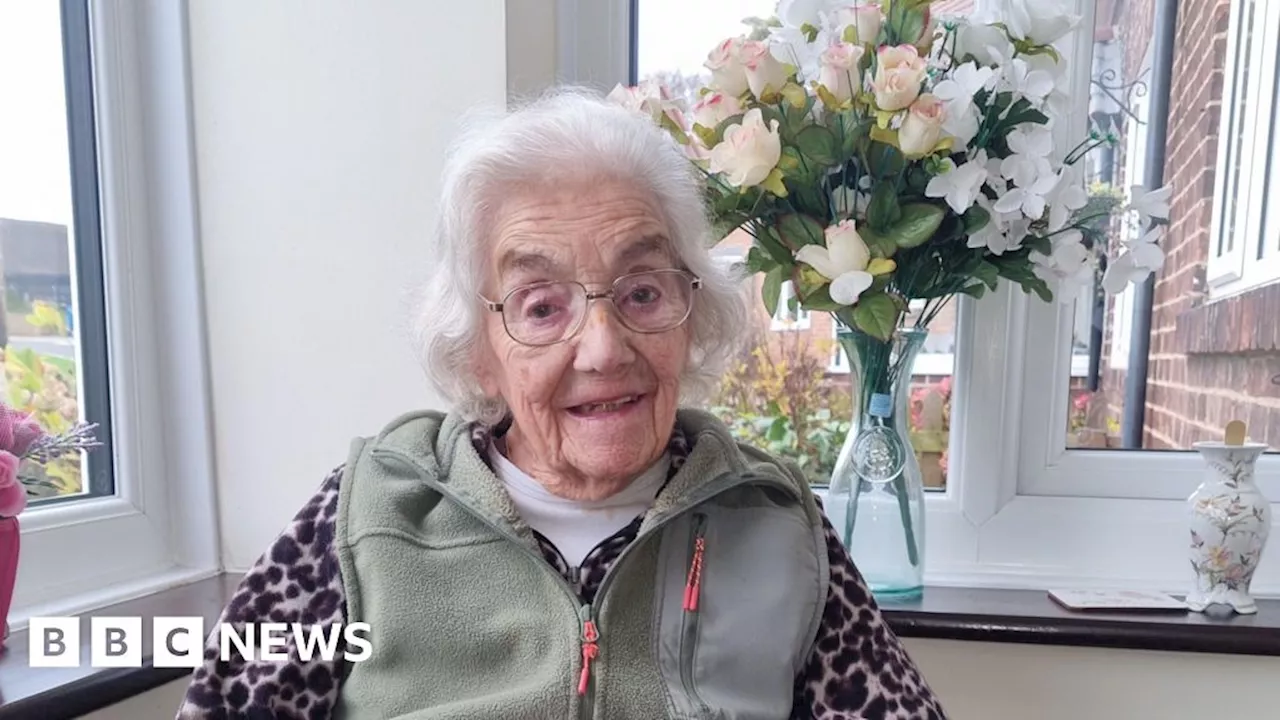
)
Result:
{"points": [[50, 447]]}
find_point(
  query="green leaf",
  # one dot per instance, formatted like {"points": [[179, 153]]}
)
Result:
{"points": [[987, 273], [772, 244], [876, 315], [885, 161], [880, 244], [799, 230], [905, 25], [820, 301], [883, 210], [759, 261], [773, 289], [848, 130], [976, 218], [817, 144], [777, 429], [1037, 243], [976, 290], [918, 224]]}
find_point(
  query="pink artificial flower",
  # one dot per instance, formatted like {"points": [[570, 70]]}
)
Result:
{"points": [[17, 430], [13, 494]]}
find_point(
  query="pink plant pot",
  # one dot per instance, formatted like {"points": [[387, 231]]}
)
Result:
{"points": [[10, 536]]}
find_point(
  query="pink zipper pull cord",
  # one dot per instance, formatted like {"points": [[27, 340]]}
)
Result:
{"points": [[590, 649], [693, 587]]}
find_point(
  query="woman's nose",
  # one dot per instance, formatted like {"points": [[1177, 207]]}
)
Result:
{"points": [[603, 346]]}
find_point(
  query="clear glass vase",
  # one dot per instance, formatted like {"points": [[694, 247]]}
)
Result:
{"points": [[876, 500]]}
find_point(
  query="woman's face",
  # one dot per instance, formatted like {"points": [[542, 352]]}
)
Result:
{"points": [[592, 412]]}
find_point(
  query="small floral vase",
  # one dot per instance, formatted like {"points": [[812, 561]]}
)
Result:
{"points": [[1230, 520], [10, 535]]}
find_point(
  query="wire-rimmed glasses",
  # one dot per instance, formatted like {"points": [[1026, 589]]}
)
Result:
{"points": [[547, 313]]}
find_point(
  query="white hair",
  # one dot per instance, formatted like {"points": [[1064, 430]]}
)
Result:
{"points": [[565, 134]]}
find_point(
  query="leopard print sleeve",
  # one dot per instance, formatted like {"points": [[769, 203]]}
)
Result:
{"points": [[859, 670], [296, 581]]}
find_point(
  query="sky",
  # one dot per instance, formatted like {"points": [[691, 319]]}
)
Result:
{"points": [[677, 34], [34, 163]]}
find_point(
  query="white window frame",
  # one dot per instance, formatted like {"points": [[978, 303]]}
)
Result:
{"points": [[1253, 259], [783, 319], [159, 529], [1019, 509]]}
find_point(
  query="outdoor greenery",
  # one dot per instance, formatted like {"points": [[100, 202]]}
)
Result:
{"points": [[45, 387], [776, 397]]}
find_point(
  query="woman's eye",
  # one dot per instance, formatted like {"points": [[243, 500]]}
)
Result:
{"points": [[644, 295]]}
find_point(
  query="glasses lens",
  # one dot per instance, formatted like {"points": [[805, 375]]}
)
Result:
{"points": [[543, 314], [654, 301]]}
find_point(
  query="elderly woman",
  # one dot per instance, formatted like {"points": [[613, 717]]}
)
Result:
{"points": [[568, 541]]}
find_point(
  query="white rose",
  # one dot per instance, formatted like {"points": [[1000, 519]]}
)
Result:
{"points": [[922, 128], [765, 74], [1043, 22], [748, 152], [840, 73], [714, 108], [727, 72], [899, 77]]}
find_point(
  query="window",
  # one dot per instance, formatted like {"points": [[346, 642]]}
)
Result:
{"points": [[53, 324], [99, 315], [1245, 244], [1030, 500]]}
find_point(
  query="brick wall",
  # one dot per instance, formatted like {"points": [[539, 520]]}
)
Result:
{"points": [[1209, 363]]}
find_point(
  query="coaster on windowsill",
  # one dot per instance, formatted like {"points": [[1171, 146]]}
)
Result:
{"points": [[1117, 601]]}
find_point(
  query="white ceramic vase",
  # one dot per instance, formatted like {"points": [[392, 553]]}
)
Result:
{"points": [[1230, 521]]}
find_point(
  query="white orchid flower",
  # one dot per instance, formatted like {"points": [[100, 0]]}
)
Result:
{"points": [[843, 261], [1067, 197], [1004, 233], [960, 185], [1150, 204], [1067, 268], [1023, 79], [958, 91], [1041, 21], [1143, 257]]}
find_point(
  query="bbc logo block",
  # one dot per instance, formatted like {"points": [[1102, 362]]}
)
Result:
{"points": [[54, 642], [180, 642]]}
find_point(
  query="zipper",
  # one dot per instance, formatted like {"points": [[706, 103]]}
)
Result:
{"points": [[585, 612], [689, 620], [590, 651]]}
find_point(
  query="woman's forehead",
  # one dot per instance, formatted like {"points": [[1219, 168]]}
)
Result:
{"points": [[552, 254]]}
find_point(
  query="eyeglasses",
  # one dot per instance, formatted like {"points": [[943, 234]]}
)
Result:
{"points": [[548, 313]]}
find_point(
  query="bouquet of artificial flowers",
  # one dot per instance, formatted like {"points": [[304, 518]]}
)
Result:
{"points": [[879, 155], [25, 448]]}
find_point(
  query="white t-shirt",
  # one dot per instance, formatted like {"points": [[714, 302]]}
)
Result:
{"points": [[576, 527]]}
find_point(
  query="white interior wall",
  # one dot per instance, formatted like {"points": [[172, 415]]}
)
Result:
{"points": [[320, 130]]}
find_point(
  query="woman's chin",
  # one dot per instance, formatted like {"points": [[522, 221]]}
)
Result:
{"points": [[607, 439]]}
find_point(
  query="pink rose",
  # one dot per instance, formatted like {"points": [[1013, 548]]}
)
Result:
{"points": [[765, 74], [727, 72], [866, 21], [13, 494], [899, 77], [714, 108], [840, 73], [922, 128]]}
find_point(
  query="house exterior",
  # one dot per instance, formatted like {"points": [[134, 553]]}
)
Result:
{"points": [[1215, 325]]}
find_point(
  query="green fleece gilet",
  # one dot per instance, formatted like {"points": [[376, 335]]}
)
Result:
{"points": [[467, 620]]}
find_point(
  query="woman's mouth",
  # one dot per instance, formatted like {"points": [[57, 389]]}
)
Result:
{"points": [[605, 407]]}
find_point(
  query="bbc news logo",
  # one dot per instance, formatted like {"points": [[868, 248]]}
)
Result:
{"points": [[179, 642]]}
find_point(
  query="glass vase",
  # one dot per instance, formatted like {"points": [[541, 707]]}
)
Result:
{"points": [[876, 499]]}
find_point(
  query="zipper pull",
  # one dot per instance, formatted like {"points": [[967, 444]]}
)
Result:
{"points": [[590, 649], [693, 587]]}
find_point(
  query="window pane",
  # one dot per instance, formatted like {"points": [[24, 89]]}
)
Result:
{"points": [[790, 393], [1211, 353], [48, 215]]}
